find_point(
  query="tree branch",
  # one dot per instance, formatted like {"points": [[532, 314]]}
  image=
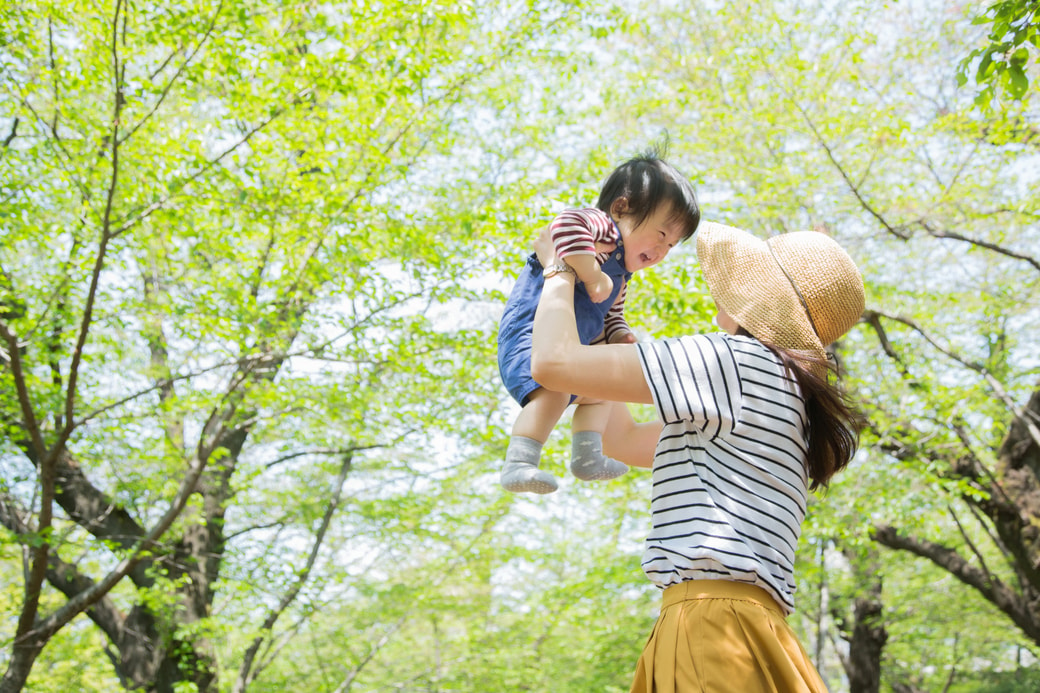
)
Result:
{"points": [[901, 231], [47, 627], [176, 76], [245, 675], [989, 586], [938, 233], [873, 318], [54, 74], [967, 540], [64, 576], [141, 214], [981, 369], [14, 132]]}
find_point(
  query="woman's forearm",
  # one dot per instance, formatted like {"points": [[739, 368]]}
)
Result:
{"points": [[561, 363], [624, 439], [555, 341]]}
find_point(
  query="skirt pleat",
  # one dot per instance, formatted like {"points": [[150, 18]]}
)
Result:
{"points": [[717, 636]]}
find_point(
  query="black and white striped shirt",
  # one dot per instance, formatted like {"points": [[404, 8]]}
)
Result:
{"points": [[729, 476]]}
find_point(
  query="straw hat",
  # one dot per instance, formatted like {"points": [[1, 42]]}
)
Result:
{"points": [[797, 290]]}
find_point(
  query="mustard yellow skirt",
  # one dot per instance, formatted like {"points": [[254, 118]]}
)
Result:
{"points": [[717, 636]]}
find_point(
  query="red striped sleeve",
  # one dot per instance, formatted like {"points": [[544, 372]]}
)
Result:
{"points": [[575, 231]]}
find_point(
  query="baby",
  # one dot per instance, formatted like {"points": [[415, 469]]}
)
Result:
{"points": [[645, 209]]}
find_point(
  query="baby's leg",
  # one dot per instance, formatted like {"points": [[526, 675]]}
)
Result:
{"points": [[532, 428], [587, 459]]}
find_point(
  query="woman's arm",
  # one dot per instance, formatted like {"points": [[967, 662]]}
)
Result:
{"points": [[556, 344], [560, 362], [624, 439]]}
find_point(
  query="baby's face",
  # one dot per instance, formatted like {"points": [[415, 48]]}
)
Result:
{"points": [[649, 243]]}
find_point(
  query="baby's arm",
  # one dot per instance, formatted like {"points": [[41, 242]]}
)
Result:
{"points": [[597, 284], [574, 234]]}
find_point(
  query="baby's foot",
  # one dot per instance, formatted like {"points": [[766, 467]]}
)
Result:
{"points": [[523, 477], [588, 462], [520, 473]]}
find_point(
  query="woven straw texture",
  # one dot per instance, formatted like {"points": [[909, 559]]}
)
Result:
{"points": [[746, 277]]}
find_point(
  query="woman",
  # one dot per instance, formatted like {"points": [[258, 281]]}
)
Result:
{"points": [[749, 423]]}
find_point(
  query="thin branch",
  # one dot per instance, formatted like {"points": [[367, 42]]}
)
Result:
{"points": [[853, 187], [14, 133], [176, 76], [348, 680], [978, 468], [873, 318], [245, 675], [60, 145], [994, 384], [967, 540], [900, 232], [939, 233], [323, 451], [14, 362], [145, 212], [54, 74], [991, 533], [88, 309], [953, 666]]}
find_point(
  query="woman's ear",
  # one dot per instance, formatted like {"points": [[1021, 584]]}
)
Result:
{"points": [[619, 207]]}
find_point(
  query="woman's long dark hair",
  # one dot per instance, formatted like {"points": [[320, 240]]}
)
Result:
{"points": [[834, 421]]}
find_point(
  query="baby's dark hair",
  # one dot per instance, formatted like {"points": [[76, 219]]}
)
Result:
{"points": [[648, 181]]}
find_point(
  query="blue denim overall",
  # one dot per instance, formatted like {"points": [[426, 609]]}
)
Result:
{"points": [[517, 324]]}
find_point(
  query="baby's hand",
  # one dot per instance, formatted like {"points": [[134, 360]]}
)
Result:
{"points": [[626, 337], [600, 289]]}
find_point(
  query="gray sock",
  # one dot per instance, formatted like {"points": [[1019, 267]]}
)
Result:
{"points": [[520, 474], [588, 462]]}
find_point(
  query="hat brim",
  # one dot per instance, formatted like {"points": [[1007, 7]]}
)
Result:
{"points": [[748, 283]]}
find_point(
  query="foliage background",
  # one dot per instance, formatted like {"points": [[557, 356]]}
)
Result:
{"points": [[300, 221]]}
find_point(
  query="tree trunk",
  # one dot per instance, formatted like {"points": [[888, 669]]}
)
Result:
{"points": [[1010, 502], [23, 656], [866, 644], [864, 629]]}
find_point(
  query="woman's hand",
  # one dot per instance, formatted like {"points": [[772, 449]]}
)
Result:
{"points": [[546, 253], [543, 247]]}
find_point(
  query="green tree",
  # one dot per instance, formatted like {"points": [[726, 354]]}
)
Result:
{"points": [[1003, 63], [232, 236]]}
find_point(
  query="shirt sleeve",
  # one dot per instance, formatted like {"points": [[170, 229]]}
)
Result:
{"points": [[615, 322], [575, 231], [694, 379]]}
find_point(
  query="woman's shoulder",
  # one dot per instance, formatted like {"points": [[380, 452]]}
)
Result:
{"points": [[740, 348], [720, 341], [744, 352]]}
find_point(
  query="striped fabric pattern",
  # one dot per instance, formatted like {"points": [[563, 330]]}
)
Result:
{"points": [[729, 478], [576, 232]]}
